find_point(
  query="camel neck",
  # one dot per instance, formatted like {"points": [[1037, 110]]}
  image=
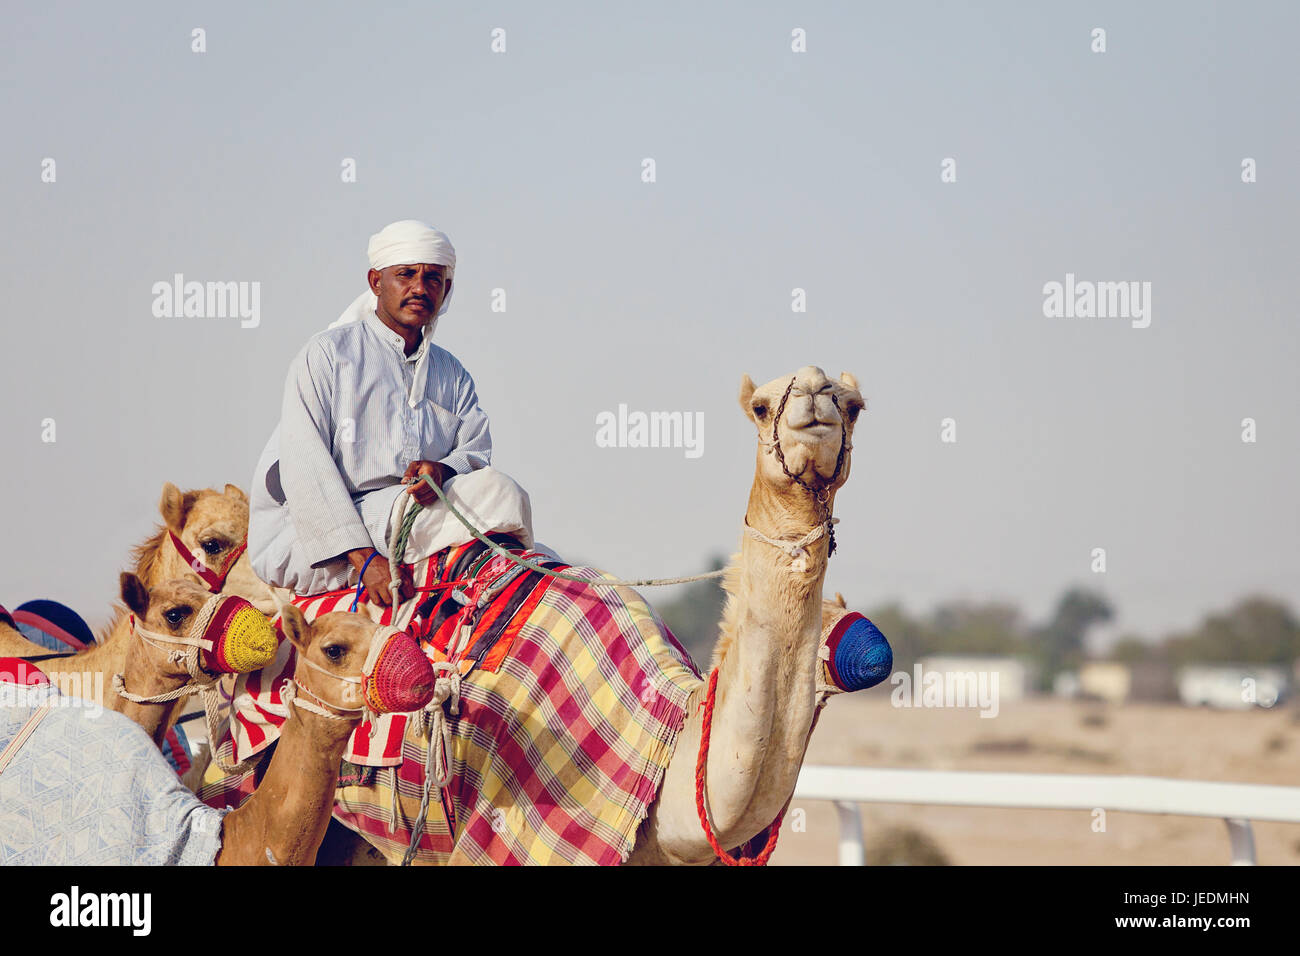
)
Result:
{"points": [[284, 821], [767, 679], [788, 516], [144, 680]]}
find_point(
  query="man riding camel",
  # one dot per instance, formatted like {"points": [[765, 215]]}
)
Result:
{"points": [[371, 405]]}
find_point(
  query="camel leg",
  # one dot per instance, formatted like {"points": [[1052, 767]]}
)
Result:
{"points": [[343, 847]]}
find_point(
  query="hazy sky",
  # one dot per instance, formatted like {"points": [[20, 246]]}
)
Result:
{"points": [[775, 170]]}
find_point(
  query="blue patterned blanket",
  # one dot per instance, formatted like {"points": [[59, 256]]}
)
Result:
{"points": [[88, 787]]}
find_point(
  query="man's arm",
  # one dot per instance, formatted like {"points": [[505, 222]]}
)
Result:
{"points": [[473, 447], [473, 440], [324, 516]]}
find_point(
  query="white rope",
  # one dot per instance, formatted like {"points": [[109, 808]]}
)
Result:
{"points": [[197, 626], [289, 694], [433, 723], [201, 683], [795, 549], [302, 659], [497, 549], [392, 803], [176, 657]]}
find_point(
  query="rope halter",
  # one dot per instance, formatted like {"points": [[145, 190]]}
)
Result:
{"points": [[227, 636], [396, 677], [821, 494], [795, 549]]}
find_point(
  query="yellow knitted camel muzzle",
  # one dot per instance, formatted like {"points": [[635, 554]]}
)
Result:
{"points": [[233, 636], [242, 638]]}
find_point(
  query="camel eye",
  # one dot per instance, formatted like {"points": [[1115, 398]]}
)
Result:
{"points": [[174, 615], [334, 652], [212, 546], [853, 410], [760, 409]]}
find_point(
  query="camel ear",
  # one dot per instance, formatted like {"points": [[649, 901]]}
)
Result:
{"points": [[234, 491], [295, 627], [134, 594], [839, 599], [746, 393], [174, 506], [849, 380]]}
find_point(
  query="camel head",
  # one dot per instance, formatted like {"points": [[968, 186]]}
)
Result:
{"points": [[213, 526], [806, 419], [239, 637], [371, 666]]}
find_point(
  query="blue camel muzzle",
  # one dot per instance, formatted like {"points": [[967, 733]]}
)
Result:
{"points": [[857, 655]]}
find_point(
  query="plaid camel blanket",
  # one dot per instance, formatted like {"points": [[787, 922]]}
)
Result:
{"points": [[571, 700]]}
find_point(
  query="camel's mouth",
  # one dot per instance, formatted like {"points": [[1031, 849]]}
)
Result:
{"points": [[814, 433]]}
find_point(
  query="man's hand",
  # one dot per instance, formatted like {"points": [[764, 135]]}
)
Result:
{"points": [[377, 576], [420, 491]]}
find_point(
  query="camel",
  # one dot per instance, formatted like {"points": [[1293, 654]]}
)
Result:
{"points": [[347, 665], [212, 526], [769, 680], [770, 663], [284, 820], [155, 666], [766, 658]]}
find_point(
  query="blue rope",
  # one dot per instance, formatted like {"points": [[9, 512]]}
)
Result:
{"points": [[360, 584]]}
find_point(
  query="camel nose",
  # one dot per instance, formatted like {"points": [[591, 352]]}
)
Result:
{"points": [[402, 680], [808, 411], [799, 411], [824, 407], [811, 379]]}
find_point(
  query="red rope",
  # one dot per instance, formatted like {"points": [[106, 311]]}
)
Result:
{"points": [[700, 763]]}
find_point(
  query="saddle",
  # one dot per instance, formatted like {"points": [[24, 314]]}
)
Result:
{"points": [[474, 623]]}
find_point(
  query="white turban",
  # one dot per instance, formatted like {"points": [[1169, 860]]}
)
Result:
{"points": [[408, 242], [405, 242]]}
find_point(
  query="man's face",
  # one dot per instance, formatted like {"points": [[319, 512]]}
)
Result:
{"points": [[410, 295]]}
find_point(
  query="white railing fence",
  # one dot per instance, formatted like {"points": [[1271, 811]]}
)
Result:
{"points": [[1237, 804]]}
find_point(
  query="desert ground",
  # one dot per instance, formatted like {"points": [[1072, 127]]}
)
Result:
{"points": [[1048, 735]]}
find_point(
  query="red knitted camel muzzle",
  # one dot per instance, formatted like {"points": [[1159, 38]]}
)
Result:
{"points": [[398, 677]]}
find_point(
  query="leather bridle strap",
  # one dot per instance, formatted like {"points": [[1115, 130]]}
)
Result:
{"points": [[215, 580]]}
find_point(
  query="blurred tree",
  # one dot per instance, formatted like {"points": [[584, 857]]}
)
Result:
{"points": [[909, 638], [1255, 630], [967, 627], [955, 627], [1058, 645], [1130, 649]]}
